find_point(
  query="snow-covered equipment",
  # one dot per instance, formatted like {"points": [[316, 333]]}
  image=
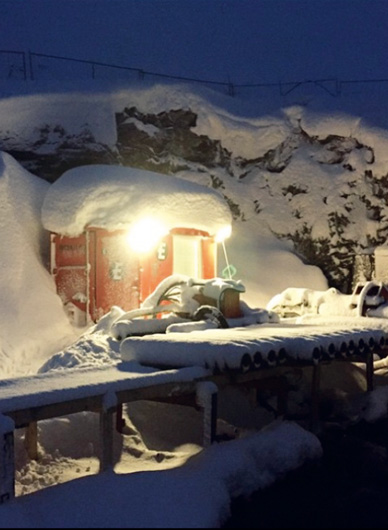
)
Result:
{"points": [[367, 299], [181, 304]]}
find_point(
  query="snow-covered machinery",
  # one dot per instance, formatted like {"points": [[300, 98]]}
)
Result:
{"points": [[368, 299], [180, 303]]}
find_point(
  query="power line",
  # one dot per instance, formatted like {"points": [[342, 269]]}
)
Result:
{"points": [[27, 68]]}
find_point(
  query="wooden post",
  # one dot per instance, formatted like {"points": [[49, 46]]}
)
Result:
{"points": [[7, 459], [120, 422], [207, 400], [369, 370], [31, 440], [282, 396], [106, 439], [315, 389]]}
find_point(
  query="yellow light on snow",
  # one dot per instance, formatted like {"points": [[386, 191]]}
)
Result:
{"points": [[145, 234], [223, 233]]}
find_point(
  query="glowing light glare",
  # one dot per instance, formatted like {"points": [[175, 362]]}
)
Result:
{"points": [[145, 234], [223, 233]]}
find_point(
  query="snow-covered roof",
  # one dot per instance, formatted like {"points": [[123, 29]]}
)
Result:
{"points": [[114, 197]]}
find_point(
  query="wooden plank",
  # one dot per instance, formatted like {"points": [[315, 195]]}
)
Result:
{"points": [[24, 417], [150, 393]]}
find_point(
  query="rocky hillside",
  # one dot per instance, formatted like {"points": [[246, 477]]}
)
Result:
{"points": [[325, 192]]}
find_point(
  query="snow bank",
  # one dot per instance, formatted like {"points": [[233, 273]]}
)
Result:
{"points": [[24, 116], [265, 265], [196, 495]]}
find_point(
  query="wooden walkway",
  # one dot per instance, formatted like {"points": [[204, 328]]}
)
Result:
{"points": [[26, 401]]}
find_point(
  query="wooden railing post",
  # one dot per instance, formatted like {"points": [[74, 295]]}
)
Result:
{"points": [[369, 370], [206, 398], [31, 440], [107, 426], [106, 437], [7, 459], [315, 395]]}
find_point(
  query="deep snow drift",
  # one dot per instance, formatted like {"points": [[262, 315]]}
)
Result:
{"points": [[33, 324]]}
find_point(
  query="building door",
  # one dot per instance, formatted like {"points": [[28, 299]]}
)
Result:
{"points": [[69, 268], [116, 273], [187, 258]]}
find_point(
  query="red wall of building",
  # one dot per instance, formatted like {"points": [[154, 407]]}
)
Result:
{"points": [[100, 265]]}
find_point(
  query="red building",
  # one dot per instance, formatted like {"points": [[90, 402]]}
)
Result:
{"points": [[97, 267]]}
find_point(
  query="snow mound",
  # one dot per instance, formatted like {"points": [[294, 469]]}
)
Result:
{"points": [[114, 197], [33, 323]]}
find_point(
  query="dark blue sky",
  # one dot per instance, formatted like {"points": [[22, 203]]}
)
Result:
{"points": [[247, 41]]}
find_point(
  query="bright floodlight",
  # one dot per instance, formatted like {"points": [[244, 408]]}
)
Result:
{"points": [[145, 234], [223, 233]]}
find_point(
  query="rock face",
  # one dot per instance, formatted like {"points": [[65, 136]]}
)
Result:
{"points": [[322, 193], [53, 150], [166, 142]]}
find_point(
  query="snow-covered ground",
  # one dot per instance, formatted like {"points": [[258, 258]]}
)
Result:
{"points": [[162, 476]]}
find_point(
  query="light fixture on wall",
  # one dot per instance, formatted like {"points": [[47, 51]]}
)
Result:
{"points": [[223, 233], [145, 234]]}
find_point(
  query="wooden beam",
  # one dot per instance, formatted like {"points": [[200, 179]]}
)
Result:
{"points": [[23, 417], [31, 440], [156, 392]]}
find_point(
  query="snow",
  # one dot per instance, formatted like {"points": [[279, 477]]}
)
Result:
{"points": [[33, 324], [67, 385], [226, 347], [162, 476], [299, 301], [196, 495], [114, 197], [151, 457]]}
